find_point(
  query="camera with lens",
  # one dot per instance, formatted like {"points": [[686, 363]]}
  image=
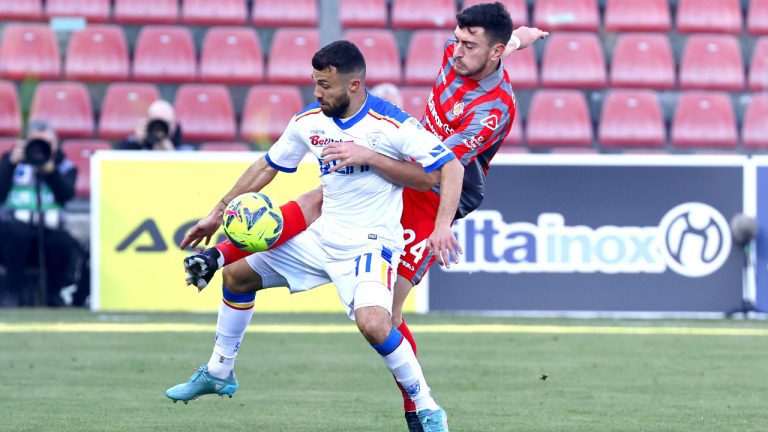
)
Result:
{"points": [[157, 131], [37, 152]]}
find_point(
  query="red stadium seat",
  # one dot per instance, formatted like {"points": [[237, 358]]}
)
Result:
{"points": [[755, 128], [757, 17], [80, 152], [281, 13], [10, 110], [67, 105], [6, 145], [29, 51], [425, 55], [124, 104], [581, 15], [205, 112], [415, 100], [559, 118], [97, 53], [423, 14], [382, 58], [515, 137], [291, 54], [164, 54], [363, 13], [14, 10], [231, 55], [709, 16], [220, 12], [712, 62], [643, 60], [573, 60], [758, 67], [224, 146], [267, 111], [631, 118], [704, 120], [146, 12], [632, 15], [91, 10], [517, 9], [521, 68]]}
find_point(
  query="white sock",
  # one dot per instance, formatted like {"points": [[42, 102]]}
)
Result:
{"points": [[235, 314], [405, 367]]}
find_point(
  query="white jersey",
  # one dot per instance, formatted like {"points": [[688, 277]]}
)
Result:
{"points": [[359, 205]]}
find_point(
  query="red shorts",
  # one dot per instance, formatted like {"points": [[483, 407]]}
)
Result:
{"points": [[418, 220]]}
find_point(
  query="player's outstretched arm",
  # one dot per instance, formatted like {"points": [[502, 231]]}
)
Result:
{"points": [[258, 175], [442, 242], [523, 37]]}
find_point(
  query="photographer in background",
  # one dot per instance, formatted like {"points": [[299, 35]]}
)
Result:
{"points": [[158, 131], [37, 156]]}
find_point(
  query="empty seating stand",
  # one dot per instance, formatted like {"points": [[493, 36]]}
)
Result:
{"points": [[146, 11], [281, 13], [518, 10], [559, 118], [757, 17], [164, 54], [80, 151], [712, 62], [573, 60], [415, 100], [633, 15], [91, 10], [631, 118], [123, 106], [643, 60], [521, 68], [423, 14], [14, 10], [571, 15], [704, 120], [425, 55], [709, 16], [758, 67], [97, 53], [267, 111], [291, 54], [363, 13], [219, 12], [231, 55], [381, 55], [205, 112], [29, 51], [755, 127]]}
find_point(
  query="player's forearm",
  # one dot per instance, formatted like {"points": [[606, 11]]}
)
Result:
{"points": [[258, 175], [451, 179], [409, 174]]}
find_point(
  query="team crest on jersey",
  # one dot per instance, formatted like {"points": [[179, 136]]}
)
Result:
{"points": [[458, 109], [491, 122], [374, 139]]}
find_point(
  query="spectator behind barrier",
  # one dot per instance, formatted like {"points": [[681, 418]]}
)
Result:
{"points": [[157, 131], [390, 92]]}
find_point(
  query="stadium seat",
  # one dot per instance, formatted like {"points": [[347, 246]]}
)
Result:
{"points": [[382, 57], [573, 15], [29, 51], [758, 67], [643, 60], [205, 112], [146, 12], [267, 111], [515, 137], [632, 15], [573, 60], [231, 55], [291, 54], [754, 131], [124, 104], [757, 17], [709, 16], [6, 144], [164, 54], [363, 13], [425, 55], [712, 62], [704, 120], [224, 146], [91, 10], [220, 12], [80, 152], [631, 118], [415, 100], [281, 13], [517, 9], [423, 14], [14, 10], [67, 105], [559, 118], [10, 110], [97, 53], [521, 68]]}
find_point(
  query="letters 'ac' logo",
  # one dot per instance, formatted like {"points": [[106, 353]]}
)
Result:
{"points": [[491, 122]]}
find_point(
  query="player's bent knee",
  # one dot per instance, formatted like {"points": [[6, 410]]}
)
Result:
{"points": [[240, 278], [374, 323]]}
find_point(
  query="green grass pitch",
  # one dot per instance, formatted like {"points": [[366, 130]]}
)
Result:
{"points": [[488, 381]]}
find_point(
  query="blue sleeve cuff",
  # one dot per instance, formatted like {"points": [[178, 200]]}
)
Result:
{"points": [[278, 167], [440, 162]]}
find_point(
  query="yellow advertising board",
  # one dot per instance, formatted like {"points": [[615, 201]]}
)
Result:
{"points": [[142, 203]]}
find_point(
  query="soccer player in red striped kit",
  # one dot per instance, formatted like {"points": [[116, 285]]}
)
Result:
{"points": [[470, 108]]}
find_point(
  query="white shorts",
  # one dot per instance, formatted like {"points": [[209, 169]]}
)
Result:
{"points": [[364, 277]]}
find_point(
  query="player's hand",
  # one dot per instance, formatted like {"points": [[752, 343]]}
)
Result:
{"points": [[345, 154], [444, 246], [529, 35], [203, 230], [201, 267]]}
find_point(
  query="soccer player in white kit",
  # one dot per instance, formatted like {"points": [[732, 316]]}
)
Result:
{"points": [[357, 241]]}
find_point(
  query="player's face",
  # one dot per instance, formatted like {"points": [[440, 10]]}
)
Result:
{"points": [[331, 91], [474, 57]]}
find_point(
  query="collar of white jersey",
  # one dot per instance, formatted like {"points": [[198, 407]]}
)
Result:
{"points": [[344, 125]]}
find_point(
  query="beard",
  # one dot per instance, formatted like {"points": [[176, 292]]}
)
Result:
{"points": [[338, 109]]}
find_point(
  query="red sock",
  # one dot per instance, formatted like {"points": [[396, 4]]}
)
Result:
{"points": [[293, 223], [408, 404]]}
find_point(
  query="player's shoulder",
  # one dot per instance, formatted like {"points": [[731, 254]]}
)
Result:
{"points": [[313, 108], [381, 109]]}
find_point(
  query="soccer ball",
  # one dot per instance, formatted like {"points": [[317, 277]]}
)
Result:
{"points": [[252, 223]]}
